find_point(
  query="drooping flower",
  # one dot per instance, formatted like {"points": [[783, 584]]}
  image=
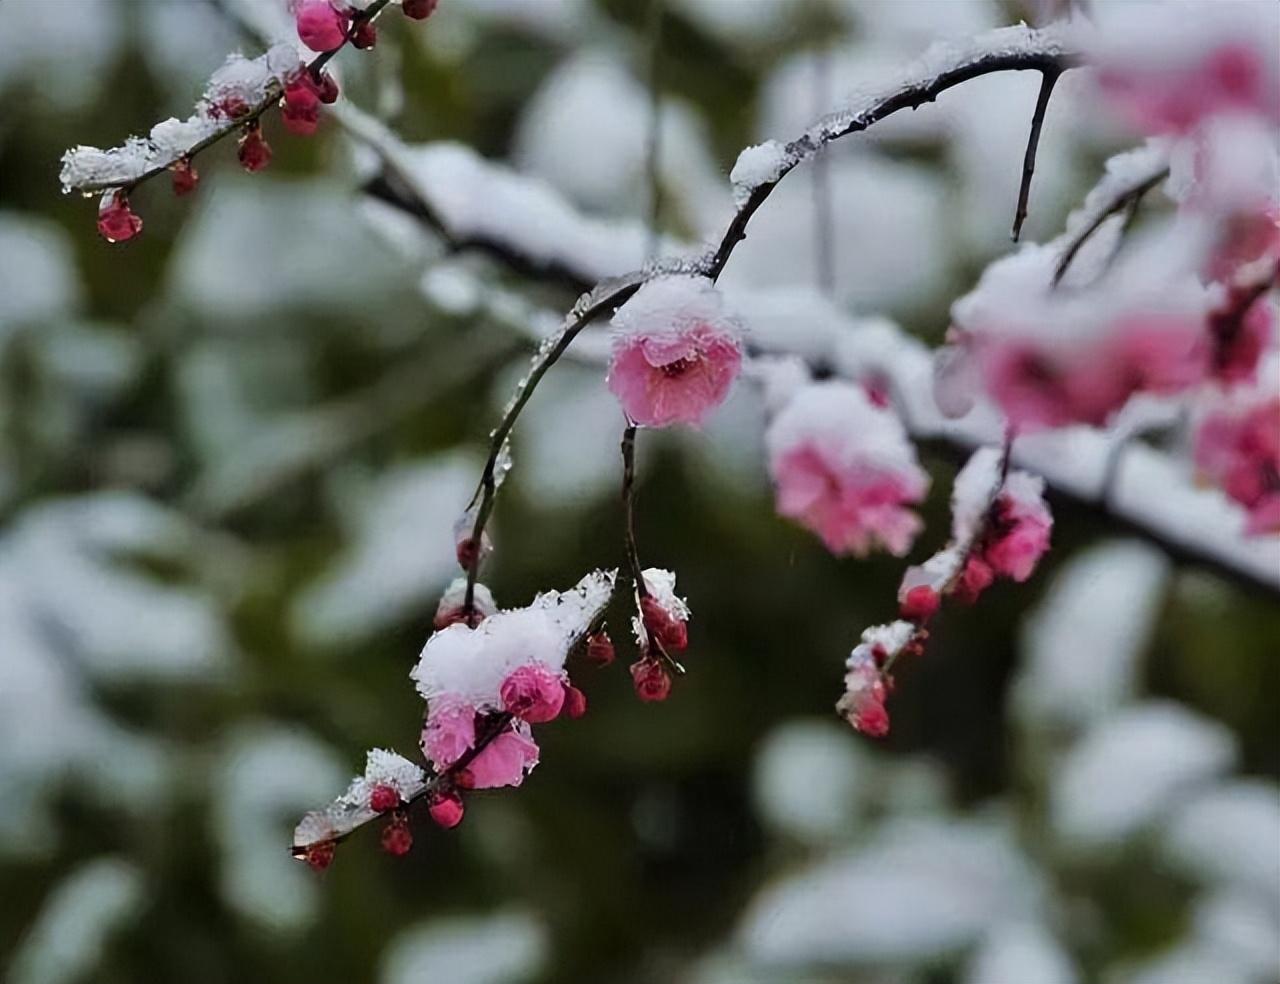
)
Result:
{"points": [[320, 26], [664, 615], [650, 679], [397, 838], [676, 353], [506, 760], [117, 222], [575, 702], [184, 175], [600, 649], [845, 469], [366, 35], [419, 9], [254, 152], [533, 693], [862, 704], [446, 809]]}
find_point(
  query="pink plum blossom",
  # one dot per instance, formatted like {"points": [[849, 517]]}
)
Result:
{"points": [[533, 693], [450, 732], [1238, 448], [675, 353], [505, 760], [117, 222], [1017, 537], [844, 468], [863, 702], [1168, 67]]}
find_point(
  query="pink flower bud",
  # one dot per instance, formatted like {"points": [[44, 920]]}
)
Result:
{"points": [[920, 604], [366, 35], [255, 152], [300, 109], [320, 27], [600, 648], [446, 809], [650, 679], [383, 798], [319, 855], [419, 9], [533, 693], [185, 177], [116, 221], [397, 838], [575, 702]]}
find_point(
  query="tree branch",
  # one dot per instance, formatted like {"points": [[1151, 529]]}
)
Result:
{"points": [[1048, 79]]}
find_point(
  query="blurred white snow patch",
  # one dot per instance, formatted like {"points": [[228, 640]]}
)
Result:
{"points": [[112, 621], [402, 551], [558, 20], [267, 777], [1020, 953], [1241, 927], [899, 209], [257, 245], [1229, 833], [738, 22], [1082, 644], [1188, 963], [729, 445], [919, 889], [585, 131], [568, 441], [71, 932], [808, 780], [506, 948], [85, 34], [1130, 769], [38, 276], [921, 22], [184, 43]]}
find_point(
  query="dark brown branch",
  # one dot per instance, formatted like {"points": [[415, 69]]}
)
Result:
{"points": [[1048, 80], [629, 506]]}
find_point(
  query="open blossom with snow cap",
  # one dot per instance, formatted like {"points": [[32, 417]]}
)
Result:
{"points": [[844, 468], [1237, 446], [1168, 66], [676, 352], [1051, 357]]}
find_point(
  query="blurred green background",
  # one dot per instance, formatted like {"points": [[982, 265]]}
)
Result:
{"points": [[231, 454]]}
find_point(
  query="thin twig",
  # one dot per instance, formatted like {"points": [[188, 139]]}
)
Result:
{"points": [[1125, 198], [1048, 79]]}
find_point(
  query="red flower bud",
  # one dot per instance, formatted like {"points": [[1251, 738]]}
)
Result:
{"points": [[185, 177], [650, 679], [600, 648], [397, 838], [255, 152], [300, 110], [326, 87], [920, 604], [366, 34], [383, 798], [419, 9], [671, 633], [319, 855], [116, 221], [446, 809], [575, 702]]}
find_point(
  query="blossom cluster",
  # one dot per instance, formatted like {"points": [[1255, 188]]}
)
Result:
{"points": [[234, 101], [1000, 528]]}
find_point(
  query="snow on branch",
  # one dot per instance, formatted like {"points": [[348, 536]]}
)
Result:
{"points": [[484, 687]]}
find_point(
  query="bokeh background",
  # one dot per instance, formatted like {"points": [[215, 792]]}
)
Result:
{"points": [[232, 453]]}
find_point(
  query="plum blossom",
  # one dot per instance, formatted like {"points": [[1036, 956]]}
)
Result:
{"points": [[676, 352], [116, 221], [533, 693], [1052, 357], [450, 732], [844, 468], [506, 760], [1237, 447], [651, 680], [1167, 67]]}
